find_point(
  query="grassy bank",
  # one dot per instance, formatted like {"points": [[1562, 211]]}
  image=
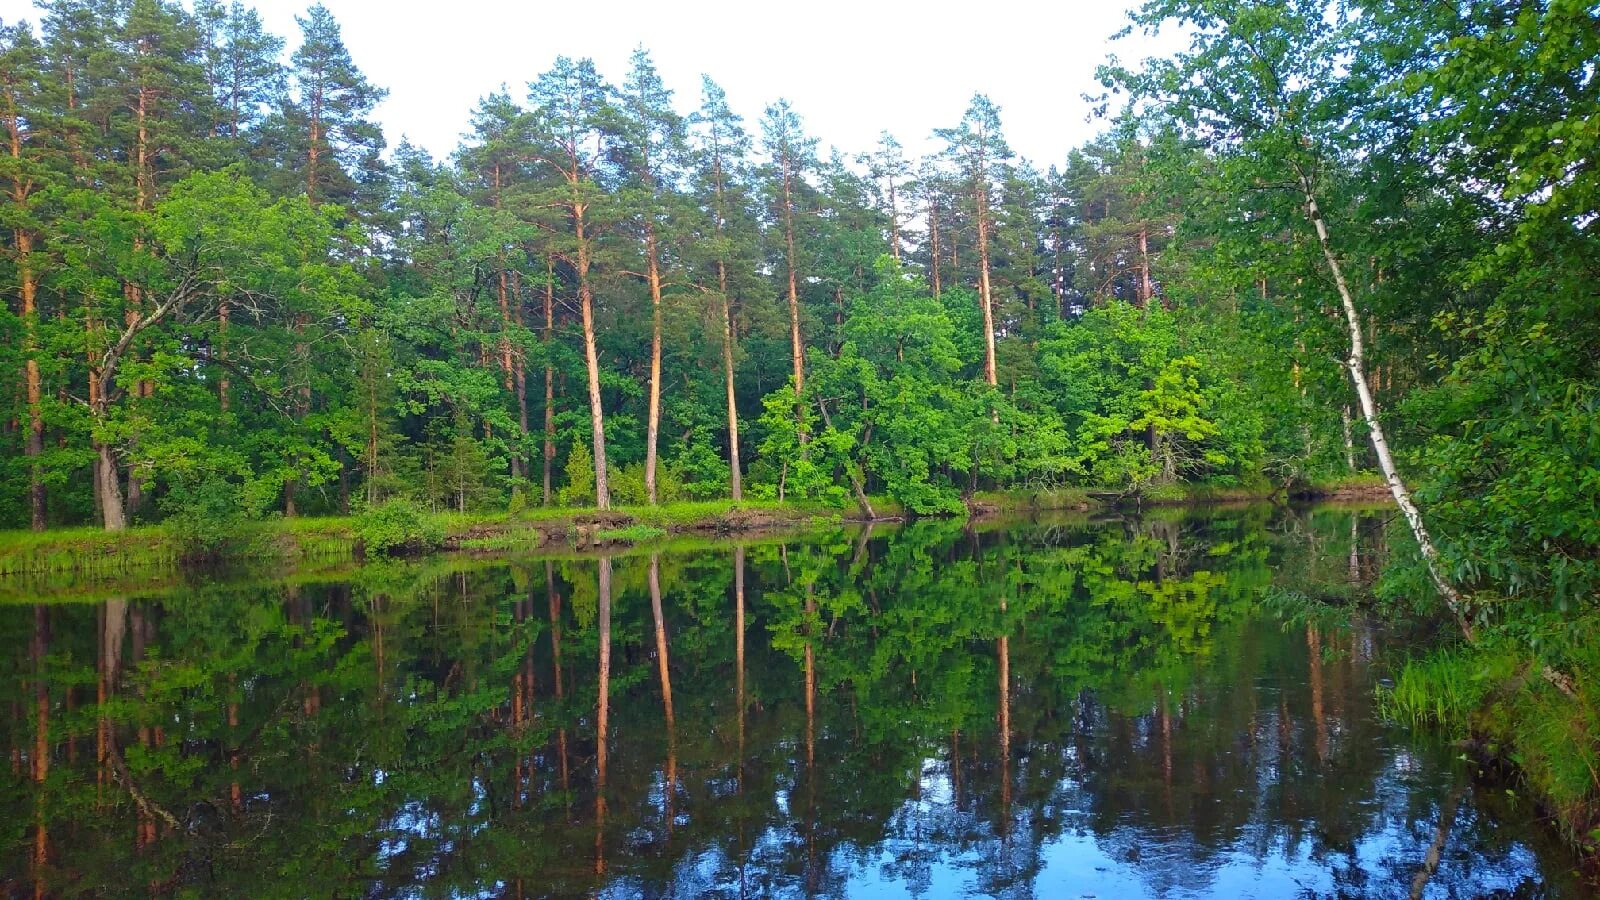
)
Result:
{"points": [[155, 548], [1537, 721]]}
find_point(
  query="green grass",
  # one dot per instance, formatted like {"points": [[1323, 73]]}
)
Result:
{"points": [[633, 534], [86, 550], [1496, 694]]}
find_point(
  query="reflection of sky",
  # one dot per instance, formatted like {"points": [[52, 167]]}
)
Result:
{"points": [[1131, 861]]}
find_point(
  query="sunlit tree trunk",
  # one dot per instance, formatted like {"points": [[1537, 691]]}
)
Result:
{"points": [[27, 284], [985, 293], [591, 358], [653, 418]]}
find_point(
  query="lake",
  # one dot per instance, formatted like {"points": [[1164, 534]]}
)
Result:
{"points": [[1127, 707]]}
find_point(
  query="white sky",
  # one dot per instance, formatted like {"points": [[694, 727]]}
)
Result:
{"points": [[851, 69]]}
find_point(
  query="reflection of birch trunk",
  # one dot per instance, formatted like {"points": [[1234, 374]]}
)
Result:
{"points": [[1430, 861]]}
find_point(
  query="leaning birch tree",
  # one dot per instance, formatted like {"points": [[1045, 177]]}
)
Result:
{"points": [[1266, 87]]}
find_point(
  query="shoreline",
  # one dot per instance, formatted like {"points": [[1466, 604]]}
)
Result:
{"points": [[87, 551]]}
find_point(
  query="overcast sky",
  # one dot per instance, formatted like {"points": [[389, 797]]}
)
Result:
{"points": [[851, 69]]}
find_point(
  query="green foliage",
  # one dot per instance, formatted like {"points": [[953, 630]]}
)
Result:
{"points": [[579, 489], [206, 515], [398, 525]]}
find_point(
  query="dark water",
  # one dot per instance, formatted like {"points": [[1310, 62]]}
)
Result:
{"points": [[1118, 710]]}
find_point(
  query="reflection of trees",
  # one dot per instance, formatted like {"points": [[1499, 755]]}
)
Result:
{"points": [[759, 721]]}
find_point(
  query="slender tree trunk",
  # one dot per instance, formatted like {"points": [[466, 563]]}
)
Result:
{"points": [[797, 346], [1146, 287], [653, 423], [894, 222], [735, 486], [933, 234], [729, 332], [223, 385], [1356, 365], [597, 418], [21, 190], [521, 366], [1349, 441], [981, 195], [549, 376]]}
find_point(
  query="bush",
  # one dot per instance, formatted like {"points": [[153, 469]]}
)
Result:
{"points": [[207, 514], [627, 485], [397, 525]]}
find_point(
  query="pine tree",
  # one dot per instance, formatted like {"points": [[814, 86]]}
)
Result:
{"points": [[791, 154], [23, 95], [979, 149], [654, 142], [573, 109], [242, 65], [722, 184], [330, 107]]}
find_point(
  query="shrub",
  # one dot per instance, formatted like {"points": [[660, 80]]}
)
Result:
{"points": [[397, 525], [206, 515]]}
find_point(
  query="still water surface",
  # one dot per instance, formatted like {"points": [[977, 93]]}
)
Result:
{"points": [[1054, 709]]}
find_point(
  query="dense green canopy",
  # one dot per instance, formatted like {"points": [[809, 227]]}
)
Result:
{"points": [[220, 287]]}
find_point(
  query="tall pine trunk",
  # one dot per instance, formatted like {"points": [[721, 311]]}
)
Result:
{"points": [[735, 487], [797, 346], [549, 376], [21, 190], [985, 296], [591, 358], [653, 423]]}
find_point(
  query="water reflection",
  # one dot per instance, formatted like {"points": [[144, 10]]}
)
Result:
{"points": [[1032, 710]]}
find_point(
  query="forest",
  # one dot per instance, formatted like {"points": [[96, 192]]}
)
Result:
{"points": [[1323, 241]]}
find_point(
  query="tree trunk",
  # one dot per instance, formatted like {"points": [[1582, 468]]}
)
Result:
{"points": [[1146, 288], [735, 488], [797, 347], [222, 355], [894, 222], [549, 376], [21, 190], [112, 513], [1349, 441], [597, 418], [933, 234], [981, 195], [653, 423], [1356, 366]]}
